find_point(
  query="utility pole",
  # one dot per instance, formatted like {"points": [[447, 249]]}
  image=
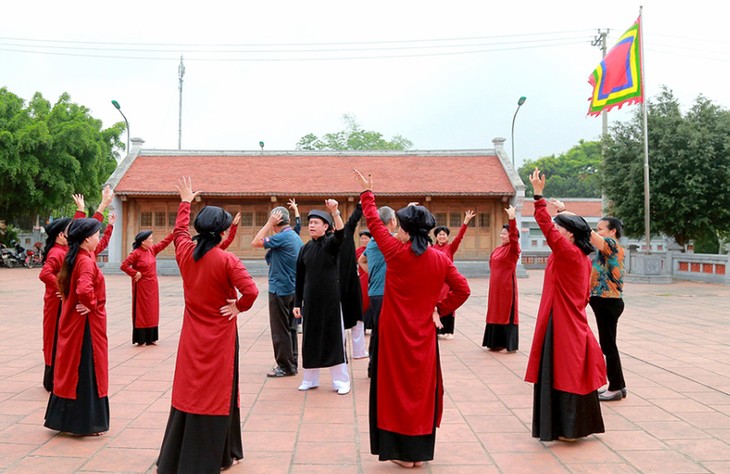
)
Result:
{"points": [[181, 73], [600, 41]]}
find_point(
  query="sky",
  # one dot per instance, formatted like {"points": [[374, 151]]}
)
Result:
{"points": [[445, 75]]}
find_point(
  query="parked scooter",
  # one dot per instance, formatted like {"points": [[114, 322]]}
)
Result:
{"points": [[34, 256], [12, 257]]}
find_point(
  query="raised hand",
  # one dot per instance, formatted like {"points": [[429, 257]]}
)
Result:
{"points": [[185, 188], [79, 200], [510, 212], [468, 216], [365, 184], [537, 181]]}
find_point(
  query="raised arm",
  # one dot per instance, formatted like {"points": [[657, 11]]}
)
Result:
{"points": [[273, 221], [468, 216], [231, 232]]}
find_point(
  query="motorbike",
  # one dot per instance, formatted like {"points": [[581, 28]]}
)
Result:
{"points": [[12, 257], [34, 257]]}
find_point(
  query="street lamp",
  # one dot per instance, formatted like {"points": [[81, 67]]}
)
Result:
{"points": [[261, 144], [119, 108], [519, 104]]}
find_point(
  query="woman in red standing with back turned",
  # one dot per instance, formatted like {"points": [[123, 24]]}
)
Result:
{"points": [[203, 433], [566, 364], [141, 265]]}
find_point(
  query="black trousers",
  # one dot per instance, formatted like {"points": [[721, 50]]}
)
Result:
{"points": [[376, 302], [607, 311], [283, 332]]}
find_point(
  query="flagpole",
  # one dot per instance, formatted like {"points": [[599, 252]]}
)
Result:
{"points": [[647, 230]]}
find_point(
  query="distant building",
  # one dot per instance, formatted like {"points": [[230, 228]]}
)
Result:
{"points": [[448, 182]]}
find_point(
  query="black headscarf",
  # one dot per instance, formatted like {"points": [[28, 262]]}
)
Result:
{"points": [[141, 237], [78, 230], [579, 228], [52, 231], [365, 232], [209, 223], [418, 222]]}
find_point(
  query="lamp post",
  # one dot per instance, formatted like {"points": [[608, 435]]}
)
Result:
{"points": [[119, 108], [261, 144], [519, 104]]}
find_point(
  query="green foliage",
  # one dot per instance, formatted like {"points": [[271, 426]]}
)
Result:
{"points": [[49, 152], [689, 168], [353, 137], [574, 173]]}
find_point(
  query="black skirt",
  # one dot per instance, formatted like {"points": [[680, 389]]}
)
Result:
{"points": [[141, 336], [389, 445], [503, 336], [144, 335], [556, 413], [88, 414], [202, 443], [48, 372]]}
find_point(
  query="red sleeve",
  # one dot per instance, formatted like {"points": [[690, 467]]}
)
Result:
{"points": [[514, 237], [458, 292], [162, 244], [85, 283], [231, 235], [79, 215], [245, 285], [127, 265], [387, 244], [104, 241], [555, 241], [50, 270], [457, 240], [181, 232], [98, 216]]}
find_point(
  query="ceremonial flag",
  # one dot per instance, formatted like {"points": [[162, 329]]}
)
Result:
{"points": [[618, 79]]}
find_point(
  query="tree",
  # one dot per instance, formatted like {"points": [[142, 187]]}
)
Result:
{"points": [[689, 164], [48, 152], [574, 173], [353, 137]]}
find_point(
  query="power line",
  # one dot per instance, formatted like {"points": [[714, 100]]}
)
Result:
{"points": [[177, 46], [322, 58]]}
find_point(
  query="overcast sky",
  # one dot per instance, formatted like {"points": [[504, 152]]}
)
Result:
{"points": [[446, 75]]}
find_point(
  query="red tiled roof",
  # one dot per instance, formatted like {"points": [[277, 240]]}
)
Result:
{"points": [[582, 207], [155, 173]]}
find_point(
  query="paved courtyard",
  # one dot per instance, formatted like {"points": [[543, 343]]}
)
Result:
{"points": [[674, 339]]}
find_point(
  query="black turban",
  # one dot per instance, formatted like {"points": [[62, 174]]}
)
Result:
{"points": [[78, 230], [320, 215], [210, 222], [418, 222], [579, 228], [141, 237], [81, 229], [52, 230]]}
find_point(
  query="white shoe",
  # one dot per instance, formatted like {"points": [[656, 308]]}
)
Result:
{"points": [[364, 356], [448, 336], [307, 386], [344, 390]]}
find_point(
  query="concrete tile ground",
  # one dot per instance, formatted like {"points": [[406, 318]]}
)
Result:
{"points": [[675, 343]]}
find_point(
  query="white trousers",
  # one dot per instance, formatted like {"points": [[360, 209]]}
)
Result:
{"points": [[339, 373], [358, 341]]}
